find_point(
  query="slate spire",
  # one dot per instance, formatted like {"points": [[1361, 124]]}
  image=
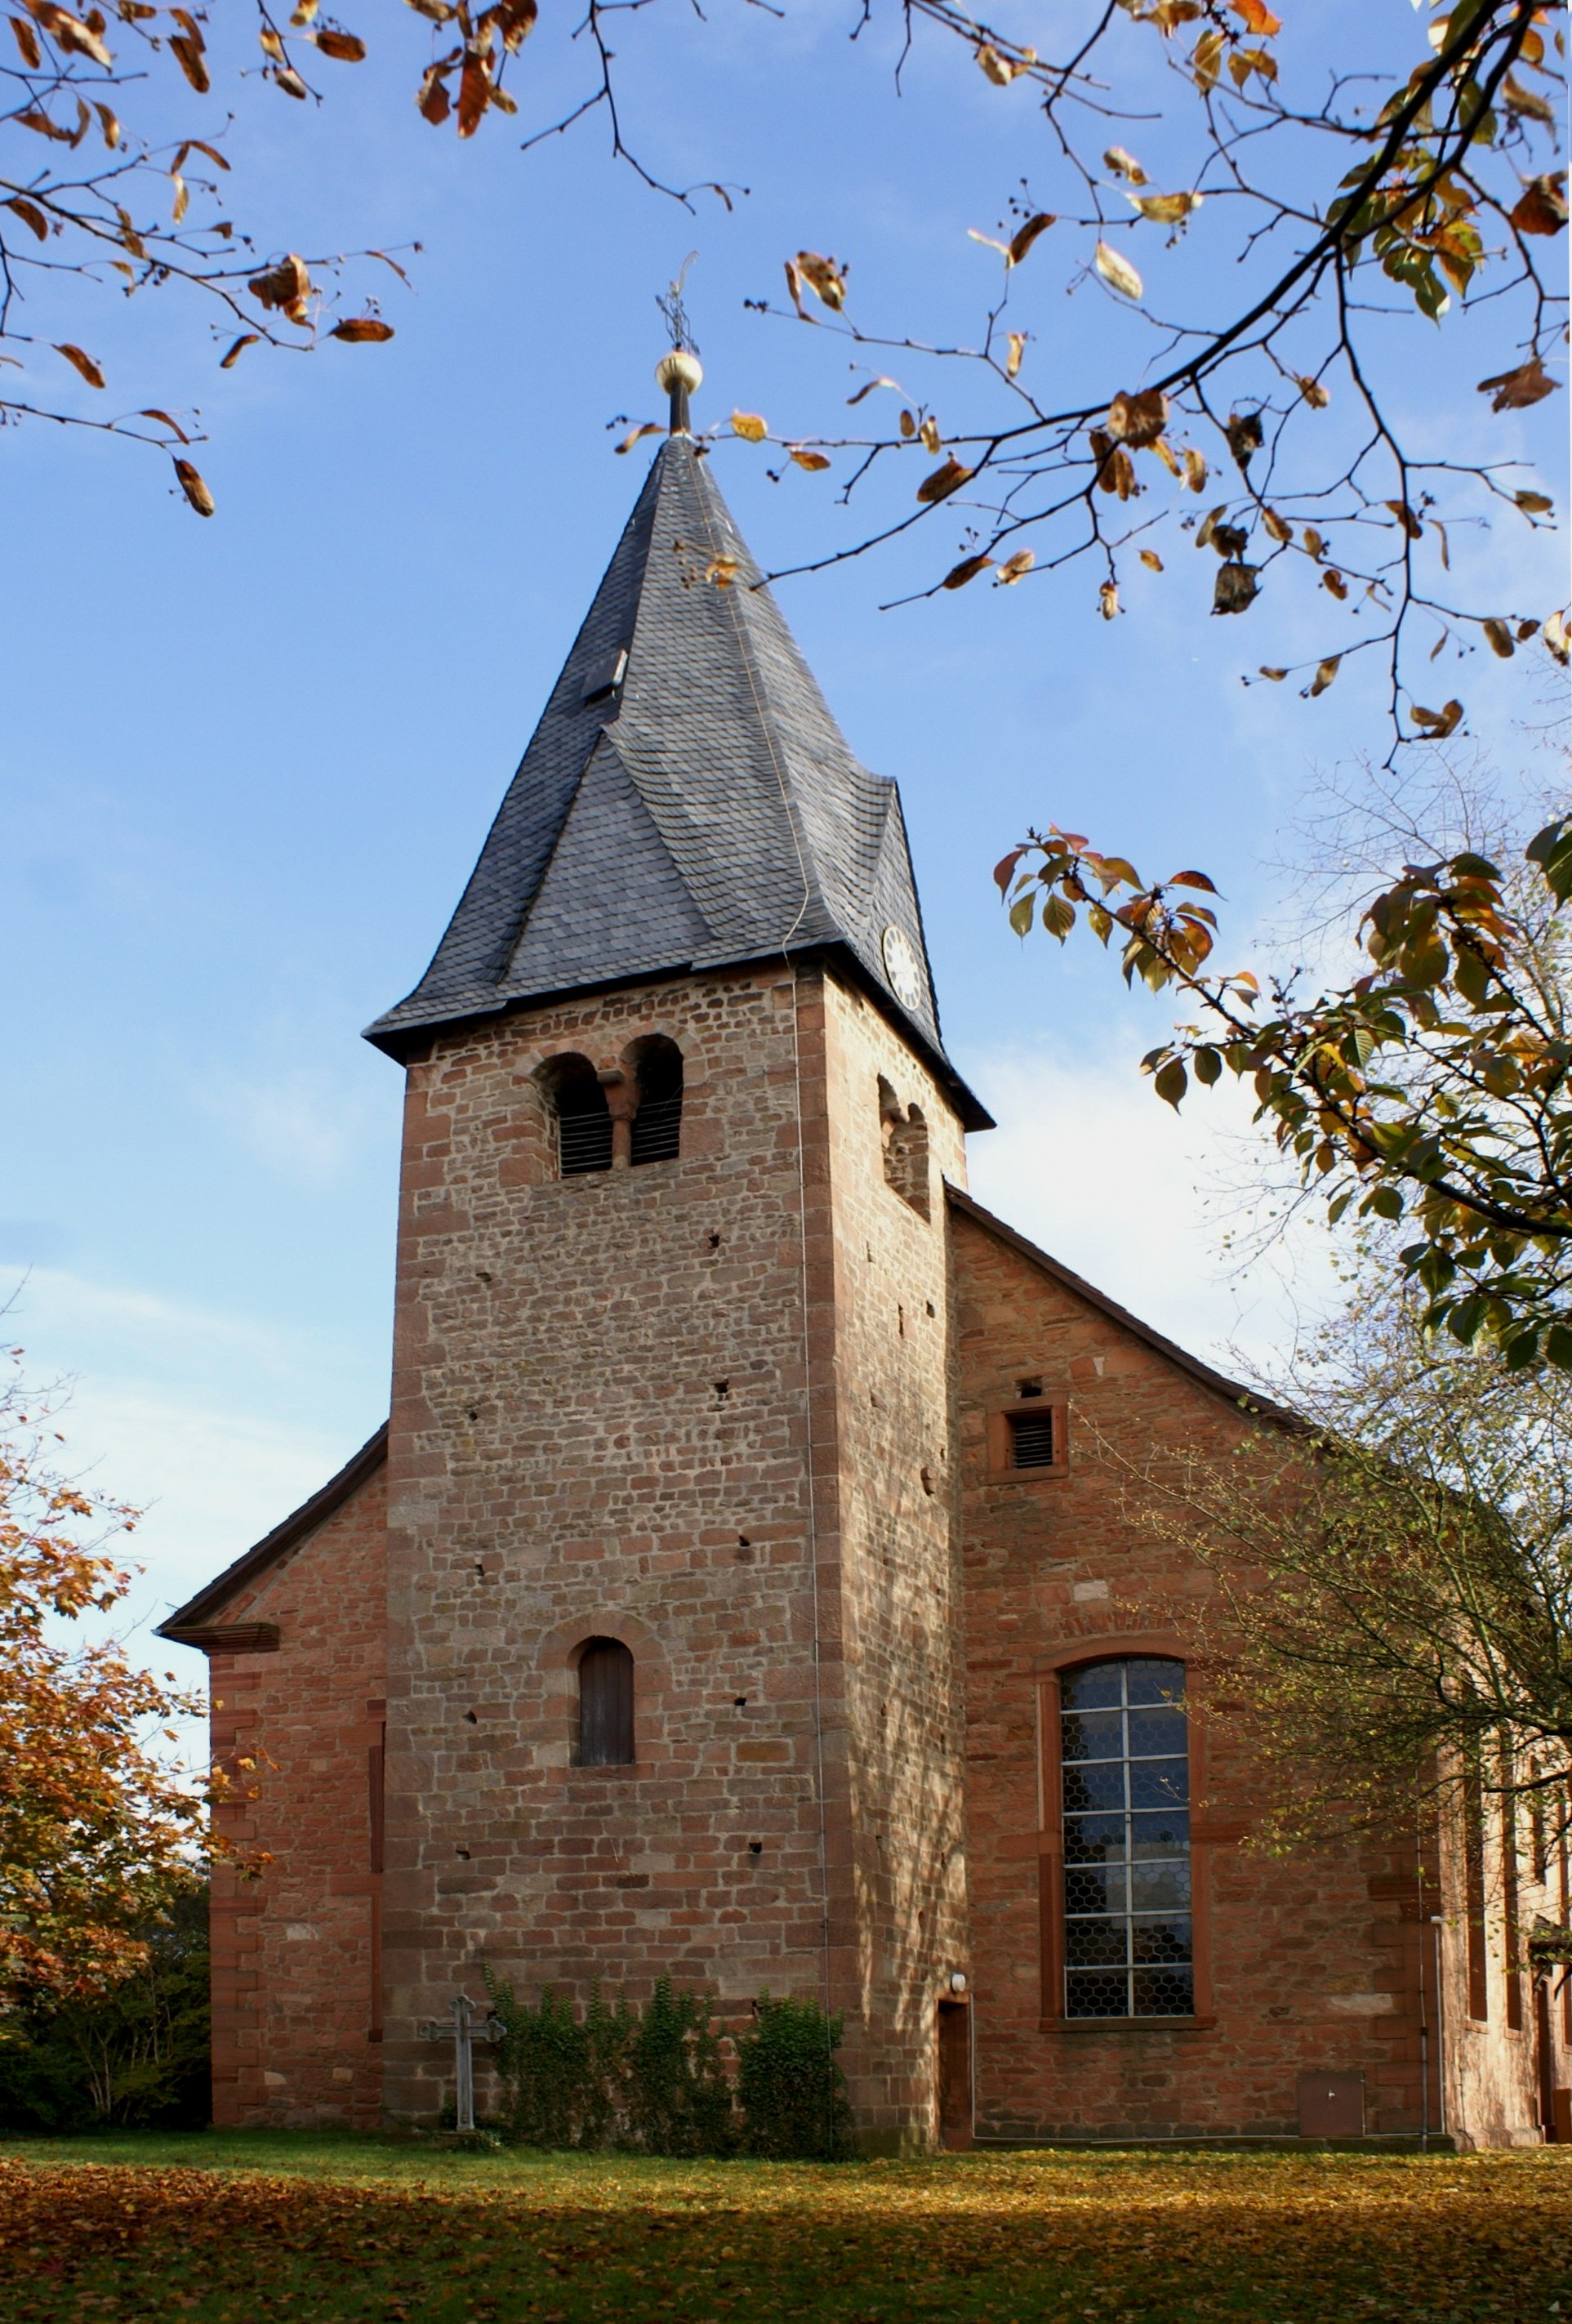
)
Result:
{"points": [[686, 801]]}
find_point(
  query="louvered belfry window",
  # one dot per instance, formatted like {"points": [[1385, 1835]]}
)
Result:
{"points": [[583, 1125], [1126, 1773], [657, 1123], [605, 1704]]}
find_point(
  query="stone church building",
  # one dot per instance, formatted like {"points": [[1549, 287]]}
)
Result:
{"points": [[734, 1591]]}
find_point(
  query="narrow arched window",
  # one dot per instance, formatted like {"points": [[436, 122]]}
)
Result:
{"points": [[584, 1124], [657, 1072], [1125, 1766], [905, 1133], [605, 1704]]}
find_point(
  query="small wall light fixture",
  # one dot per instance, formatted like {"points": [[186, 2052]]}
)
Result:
{"points": [[958, 1980]]}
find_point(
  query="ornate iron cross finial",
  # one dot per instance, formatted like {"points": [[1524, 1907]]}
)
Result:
{"points": [[680, 372], [675, 314]]}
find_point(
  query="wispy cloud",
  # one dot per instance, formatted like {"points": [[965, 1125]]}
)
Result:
{"points": [[1088, 1162]]}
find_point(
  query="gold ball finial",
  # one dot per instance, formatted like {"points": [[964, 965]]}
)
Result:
{"points": [[679, 373]]}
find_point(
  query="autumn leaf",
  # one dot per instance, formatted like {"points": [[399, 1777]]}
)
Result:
{"points": [[247, 339], [1138, 420], [474, 91], [929, 437], [194, 488], [1258, 18], [1195, 471], [1541, 207], [286, 287], [1115, 471], [1278, 527], [1108, 600], [164, 418], [1207, 62], [1515, 389], [1437, 723], [362, 330], [751, 425], [998, 69], [1499, 638], [432, 98], [1236, 588], [1314, 393], [1326, 672], [867, 388], [81, 363], [30, 214], [344, 46], [1014, 568], [27, 41], [1024, 235], [825, 277], [1116, 272], [967, 570], [943, 481], [1017, 347], [1125, 165], [1166, 209], [815, 461], [1150, 559], [1275, 675]]}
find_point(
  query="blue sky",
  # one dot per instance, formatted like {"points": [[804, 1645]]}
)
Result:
{"points": [[246, 764]]}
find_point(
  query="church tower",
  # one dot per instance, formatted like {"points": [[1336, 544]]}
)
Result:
{"points": [[675, 1676]]}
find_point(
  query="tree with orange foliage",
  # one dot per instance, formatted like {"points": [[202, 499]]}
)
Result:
{"points": [[98, 1825]]}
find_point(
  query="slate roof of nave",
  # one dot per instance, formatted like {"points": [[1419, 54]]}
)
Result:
{"points": [[709, 813]]}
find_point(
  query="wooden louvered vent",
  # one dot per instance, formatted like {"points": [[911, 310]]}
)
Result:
{"points": [[1032, 1439]]}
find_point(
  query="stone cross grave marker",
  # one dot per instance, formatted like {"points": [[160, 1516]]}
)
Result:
{"points": [[460, 2030]]}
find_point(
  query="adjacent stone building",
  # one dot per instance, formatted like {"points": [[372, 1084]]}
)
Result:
{"points": [[735, 1590]]}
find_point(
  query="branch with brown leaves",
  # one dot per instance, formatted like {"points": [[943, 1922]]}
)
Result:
{"points": [[1444, 198], [1435, 1088]]}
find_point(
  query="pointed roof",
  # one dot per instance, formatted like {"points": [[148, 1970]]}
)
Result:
{"points": [[700, 809]]}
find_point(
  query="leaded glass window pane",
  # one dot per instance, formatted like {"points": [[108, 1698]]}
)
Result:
{"points": [[1125, 1769]]}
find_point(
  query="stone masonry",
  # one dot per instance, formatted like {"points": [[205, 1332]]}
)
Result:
{"points": [[751, 1409]]}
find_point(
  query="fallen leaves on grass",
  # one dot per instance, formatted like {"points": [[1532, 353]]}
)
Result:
{"points": [[1164, 2239]]}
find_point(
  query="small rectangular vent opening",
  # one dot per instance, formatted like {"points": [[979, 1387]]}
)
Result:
{"points": [[1032, 1439], [604, 676]]}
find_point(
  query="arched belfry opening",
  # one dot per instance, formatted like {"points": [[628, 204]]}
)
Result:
{"points": [[656, 1065], [581, 1118]]}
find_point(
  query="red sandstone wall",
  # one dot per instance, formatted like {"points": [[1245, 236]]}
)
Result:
{"points": [[1314, 1963], [296, 2015], [563, 1466], [891, 1614]]}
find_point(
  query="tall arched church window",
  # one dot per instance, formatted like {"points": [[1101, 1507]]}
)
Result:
{"points": [[584, 1124], [605, 1704], [1125, 1769], [658, 1070]]}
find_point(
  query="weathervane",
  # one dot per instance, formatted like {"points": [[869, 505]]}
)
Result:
{"points": [[680, 372]]}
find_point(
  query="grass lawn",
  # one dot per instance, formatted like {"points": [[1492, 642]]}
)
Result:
{"points": [[231, 2229]]}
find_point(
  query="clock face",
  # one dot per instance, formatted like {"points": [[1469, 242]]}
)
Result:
{"points": [[902, 968]]}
